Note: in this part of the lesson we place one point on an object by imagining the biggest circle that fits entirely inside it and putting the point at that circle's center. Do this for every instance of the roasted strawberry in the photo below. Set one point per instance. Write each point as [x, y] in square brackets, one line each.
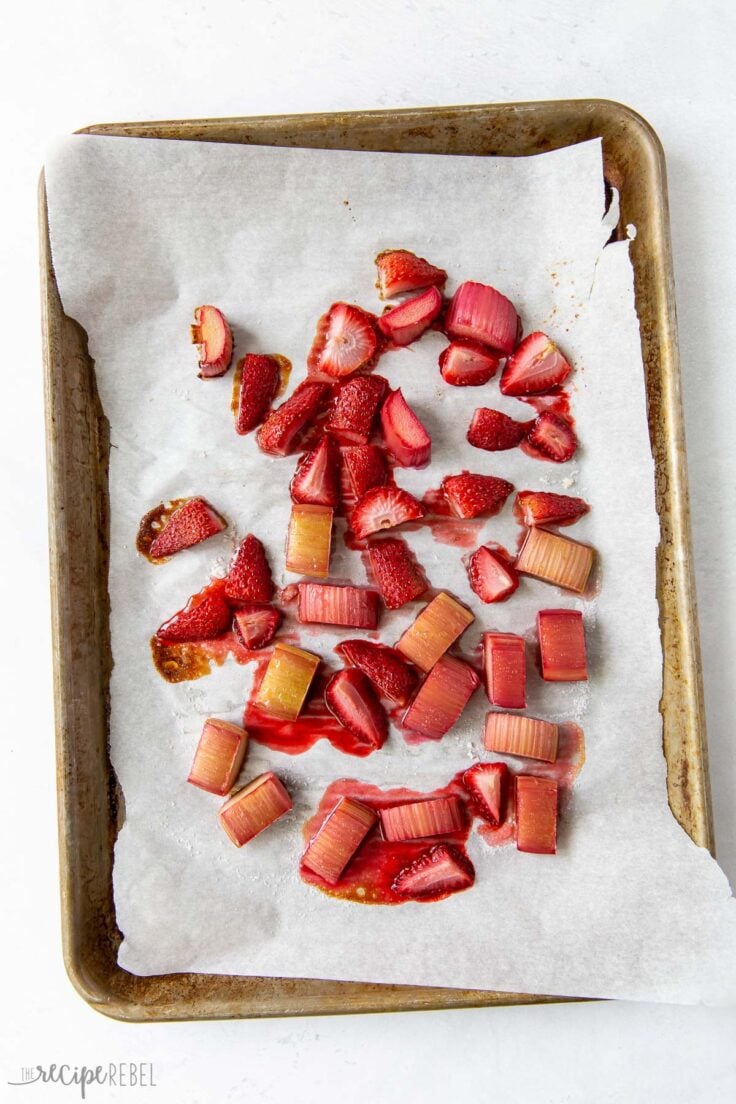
[487, 784]
[355, 408]
[400, 271]
[259, 382]
[215, 340]
[395, 572]
[407, 322]
[317, 477]
[350, 698]
[438, 871]
[255, 626]
[493, 431]
[492, 578]
[366, 467]
[205, 616]
[466, 364]
[383, 508]
[346, 340]
[249, 577]
[545, 508]
[282, 427]
[534, 366]
[194, 521]
[553, 436]
[404, 435]
[470, 495]
[388, 672]
[482, 314]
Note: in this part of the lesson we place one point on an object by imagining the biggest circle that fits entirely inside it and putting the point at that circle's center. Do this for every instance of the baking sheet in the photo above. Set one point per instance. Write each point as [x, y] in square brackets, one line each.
[140, 233]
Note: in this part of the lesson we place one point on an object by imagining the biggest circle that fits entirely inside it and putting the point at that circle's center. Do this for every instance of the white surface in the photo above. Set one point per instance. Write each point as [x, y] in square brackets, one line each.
[62, 66]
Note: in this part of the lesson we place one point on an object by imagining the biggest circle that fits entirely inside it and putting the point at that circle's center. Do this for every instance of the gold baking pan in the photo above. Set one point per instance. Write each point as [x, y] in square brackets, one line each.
[90, 806]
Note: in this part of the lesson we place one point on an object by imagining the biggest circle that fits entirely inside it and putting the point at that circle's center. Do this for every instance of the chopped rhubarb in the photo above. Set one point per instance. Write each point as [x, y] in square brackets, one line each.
[350, 606]
[283, 426]
[249, 576]
[392, 677]
[213, 336]
[405, 437]
[438, 871]
[255, 626]
[491, 576]
[219, 756]
[317, 477]
[407, 322]
[254, 808]
[435, 816]
[535, 366]
[556, 559]
[469, 494]
[536, 814]
[205, 616]
[395, 572]
[383, 508]
[504, 662]
[465, 364]
[194, 521]
[356, 405]
[350, 698]
[286, 682]
[434, 630]
[487, 784]
[493, 431]
[366, 467]
[482, 314]
[400, 271]
[260, 377]
[562, 645]
[345, 341]
[514, 734]
[309, 540]
[340, 836]
[553, 436]
[441, 698]
[546, 508]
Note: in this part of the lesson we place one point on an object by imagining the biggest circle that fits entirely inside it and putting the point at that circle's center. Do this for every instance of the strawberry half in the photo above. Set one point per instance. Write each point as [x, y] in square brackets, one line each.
[193, 522]
[405, 437]
[545, 508]
[466, 364]
[214, 339]
[204, 617]
[350, 698]
[283, 425]
[255, 626]
[366, 467]
[399, 270]
[316, 480]
[259, 382]
[249, 577]
[438, 871]
[491, 577]
[487, 784]
[345, 341]
[553, 436]
[481, 313]
[407, 322]
[534, 366]
[388, 672]
[470, 495]
[355, 408]
[383, 508]
[493, 431]
[396, 572]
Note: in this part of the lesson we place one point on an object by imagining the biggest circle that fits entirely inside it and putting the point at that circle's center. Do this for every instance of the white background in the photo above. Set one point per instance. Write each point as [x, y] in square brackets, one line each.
[64, 65]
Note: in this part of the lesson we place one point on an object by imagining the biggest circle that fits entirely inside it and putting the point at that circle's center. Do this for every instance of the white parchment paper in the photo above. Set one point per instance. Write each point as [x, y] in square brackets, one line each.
[142, 232]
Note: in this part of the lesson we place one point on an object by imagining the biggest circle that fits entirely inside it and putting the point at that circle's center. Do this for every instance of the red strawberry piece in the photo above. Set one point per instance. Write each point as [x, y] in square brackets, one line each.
[317, 477]
[493, 431]
[283, 425]
[259, 382]
[255, 626]
[214, 338]
[482, 314]
[366, 467]
[553, 436]
[487, 784]
[355, 409]
[406, 438]
[407, 322]
[383, 508]
[205, 616]
[491, 577]
[545, 508]
[470, 495]
[191, 523]
[466, 364]
[439, 870]
[346, 340]
[400, 271]
[249, 577]
[534, 366]
[350, 698]
[396, 573]
[388, 672]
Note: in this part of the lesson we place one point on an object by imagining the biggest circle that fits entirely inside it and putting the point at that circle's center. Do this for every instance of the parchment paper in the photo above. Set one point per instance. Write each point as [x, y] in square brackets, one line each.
[144, 231]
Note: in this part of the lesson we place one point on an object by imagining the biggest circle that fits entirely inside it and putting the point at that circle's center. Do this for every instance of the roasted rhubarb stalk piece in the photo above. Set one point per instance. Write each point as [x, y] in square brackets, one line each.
[395, 572]
[194, 521]
[491, 576]
[536, 814]
[438, 871]
[350, 698]
[553, 436]
[465, 364]
[286, 682]
[282, 428]
[383, 508]
[249, 576]
[562, 645]
[441, 698]
[255, 626]
[556, 559]
[435, 816]
[345, 341]
[480, 313]
[354, 411]
[435, 629]
[392, 677]
[470, 495]
[504, 662]
[546, 508]
[340, 836]
[350, 606]
[254, 808]
[214, 339]
[487, 785]
[514, 734]
[494, 431]
[260, 376]
[407, 322]
[535, 366]
[205, 616]
[309, 540]
[366, 467]
[404, 435]
[400, 271]
[219, 756]
[316, 480]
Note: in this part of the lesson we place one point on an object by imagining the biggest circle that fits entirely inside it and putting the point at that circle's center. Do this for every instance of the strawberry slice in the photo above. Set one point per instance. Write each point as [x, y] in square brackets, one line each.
[249, 577]
[393, 678]
[406, 438]
[350, 698]
[205, 616]
[282, 427]
[316, 480]
[346, 340]
[366, 467]
[553, 436]
[191, 523]
[214, 339]
[481, 313]
[546, 508]
[492, 578]
[470, 495]
[355, 408]
[383, 508]
[534, 366]
[493, 431]
[407, 322]
[399, 270]
[465, 364]
[255, 626]
[396, 573]
[259, 381]
[437, 872]
[487, 784]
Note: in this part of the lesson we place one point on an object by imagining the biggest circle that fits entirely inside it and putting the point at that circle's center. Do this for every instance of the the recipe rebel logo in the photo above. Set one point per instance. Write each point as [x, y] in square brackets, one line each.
[121, 1075]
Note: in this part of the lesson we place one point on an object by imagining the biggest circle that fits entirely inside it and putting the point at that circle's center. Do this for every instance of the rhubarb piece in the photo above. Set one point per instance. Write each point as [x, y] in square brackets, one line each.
[536, 814]
[388, 672]
[434, 816]
[350, 698]
[309, 540]
[469, 495]
[355, 409]
[214, 339]
[553, 436]
[366, 467]
[205, 616]
[345, 341]
[504, 663]
[407, 322]
[283, 426]
[465, 364]
[317, 477]
[350, 606]
[441, 698]
[491, 577]
[194, 521]
[487, 784]
[338, 839]
[260, 376]
[286, 682]
[482, 314]
[535, 366]
[438, 871]
[406, 438]
[255, 626]
[383, 508]
[434, 630]
[219, 756]
[400, 271]
[545, 508]
[556, 559]
[514, 734]
[254, 808]
[249, 576]
[395, 572]
[493, 431]
[562, 645]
